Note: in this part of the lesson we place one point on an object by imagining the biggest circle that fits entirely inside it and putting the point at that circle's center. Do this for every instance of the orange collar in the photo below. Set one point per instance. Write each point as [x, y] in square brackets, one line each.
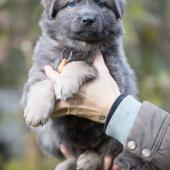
[64, 59]
[61, 65]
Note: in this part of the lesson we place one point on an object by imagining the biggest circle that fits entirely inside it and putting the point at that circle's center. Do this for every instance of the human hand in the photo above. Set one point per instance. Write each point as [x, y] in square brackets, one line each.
[94, 99]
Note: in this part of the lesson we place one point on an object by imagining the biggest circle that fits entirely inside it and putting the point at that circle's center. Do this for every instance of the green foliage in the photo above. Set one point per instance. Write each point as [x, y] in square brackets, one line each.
[20, 164]
[146, 43]
[1, 163]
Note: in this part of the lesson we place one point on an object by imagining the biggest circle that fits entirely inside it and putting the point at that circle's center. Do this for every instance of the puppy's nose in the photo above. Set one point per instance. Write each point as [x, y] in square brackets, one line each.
[88, 20]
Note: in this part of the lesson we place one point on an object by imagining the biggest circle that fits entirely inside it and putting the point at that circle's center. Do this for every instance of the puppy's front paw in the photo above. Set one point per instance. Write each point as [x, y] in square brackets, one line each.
[40, 104]
[89, 161]
[36, 114]
[65, 88]
[68, 164]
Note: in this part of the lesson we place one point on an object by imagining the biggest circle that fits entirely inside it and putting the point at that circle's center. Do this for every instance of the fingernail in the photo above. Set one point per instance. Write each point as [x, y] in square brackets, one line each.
[46, 67]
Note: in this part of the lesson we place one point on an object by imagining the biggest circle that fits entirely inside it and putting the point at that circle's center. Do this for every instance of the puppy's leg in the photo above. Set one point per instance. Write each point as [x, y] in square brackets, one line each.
[72, 77]
[40, 103]
[89, 161]
[68, 164]
[120, 70]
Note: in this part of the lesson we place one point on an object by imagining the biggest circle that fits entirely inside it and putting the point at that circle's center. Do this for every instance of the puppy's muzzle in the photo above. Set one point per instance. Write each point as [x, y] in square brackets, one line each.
[87, 20]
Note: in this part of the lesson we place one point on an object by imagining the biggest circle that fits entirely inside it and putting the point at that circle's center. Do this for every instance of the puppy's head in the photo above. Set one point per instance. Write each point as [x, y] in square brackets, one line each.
[89, 21]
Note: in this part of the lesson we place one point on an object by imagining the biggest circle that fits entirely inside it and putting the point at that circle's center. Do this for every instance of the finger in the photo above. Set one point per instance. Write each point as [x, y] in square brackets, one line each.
[107, 162]
[51, 73]
[99, 62]
[65, 151]
[116, 167]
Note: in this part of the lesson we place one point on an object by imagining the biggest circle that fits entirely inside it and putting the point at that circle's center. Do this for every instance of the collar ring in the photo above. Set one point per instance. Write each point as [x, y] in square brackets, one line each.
[64, 57]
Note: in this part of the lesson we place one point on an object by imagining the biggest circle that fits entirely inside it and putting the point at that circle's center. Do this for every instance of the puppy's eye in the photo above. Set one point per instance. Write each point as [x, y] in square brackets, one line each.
[72, 3]
[101, 4]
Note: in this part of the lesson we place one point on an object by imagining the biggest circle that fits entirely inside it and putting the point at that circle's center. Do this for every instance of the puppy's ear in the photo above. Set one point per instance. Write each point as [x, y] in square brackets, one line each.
[119, 6]
[50, 7]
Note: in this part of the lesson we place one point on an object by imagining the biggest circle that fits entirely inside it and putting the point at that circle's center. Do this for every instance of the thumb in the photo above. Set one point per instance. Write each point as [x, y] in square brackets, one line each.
[51, 73]
[99, 63]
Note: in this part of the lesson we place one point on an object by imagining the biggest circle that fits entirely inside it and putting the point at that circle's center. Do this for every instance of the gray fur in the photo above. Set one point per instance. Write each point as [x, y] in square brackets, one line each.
[84, 29]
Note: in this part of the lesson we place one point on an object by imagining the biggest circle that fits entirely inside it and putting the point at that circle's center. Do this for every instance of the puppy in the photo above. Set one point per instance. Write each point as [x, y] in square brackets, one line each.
[75, 30]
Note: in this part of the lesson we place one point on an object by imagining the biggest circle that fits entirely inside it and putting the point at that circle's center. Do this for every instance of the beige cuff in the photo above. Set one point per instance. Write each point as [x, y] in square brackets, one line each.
[79, 107]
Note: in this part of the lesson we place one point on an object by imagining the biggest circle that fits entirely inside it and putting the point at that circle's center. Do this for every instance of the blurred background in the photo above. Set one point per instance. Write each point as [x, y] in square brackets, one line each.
[147, 45]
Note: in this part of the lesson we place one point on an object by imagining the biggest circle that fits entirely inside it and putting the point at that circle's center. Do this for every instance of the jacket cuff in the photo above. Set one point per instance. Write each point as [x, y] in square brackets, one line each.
[113, 108]
[148, 132]
[122, 117]
[127, 161]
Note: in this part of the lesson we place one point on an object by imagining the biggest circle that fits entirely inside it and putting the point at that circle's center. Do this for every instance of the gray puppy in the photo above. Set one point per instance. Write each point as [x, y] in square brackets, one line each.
[76, 29]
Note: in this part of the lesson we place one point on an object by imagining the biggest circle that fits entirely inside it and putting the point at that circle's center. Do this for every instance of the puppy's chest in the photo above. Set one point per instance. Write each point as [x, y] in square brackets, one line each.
[67, 55]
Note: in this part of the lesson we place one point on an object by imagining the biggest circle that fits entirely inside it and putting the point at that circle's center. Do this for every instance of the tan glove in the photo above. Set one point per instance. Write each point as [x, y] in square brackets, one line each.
[94, 99]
